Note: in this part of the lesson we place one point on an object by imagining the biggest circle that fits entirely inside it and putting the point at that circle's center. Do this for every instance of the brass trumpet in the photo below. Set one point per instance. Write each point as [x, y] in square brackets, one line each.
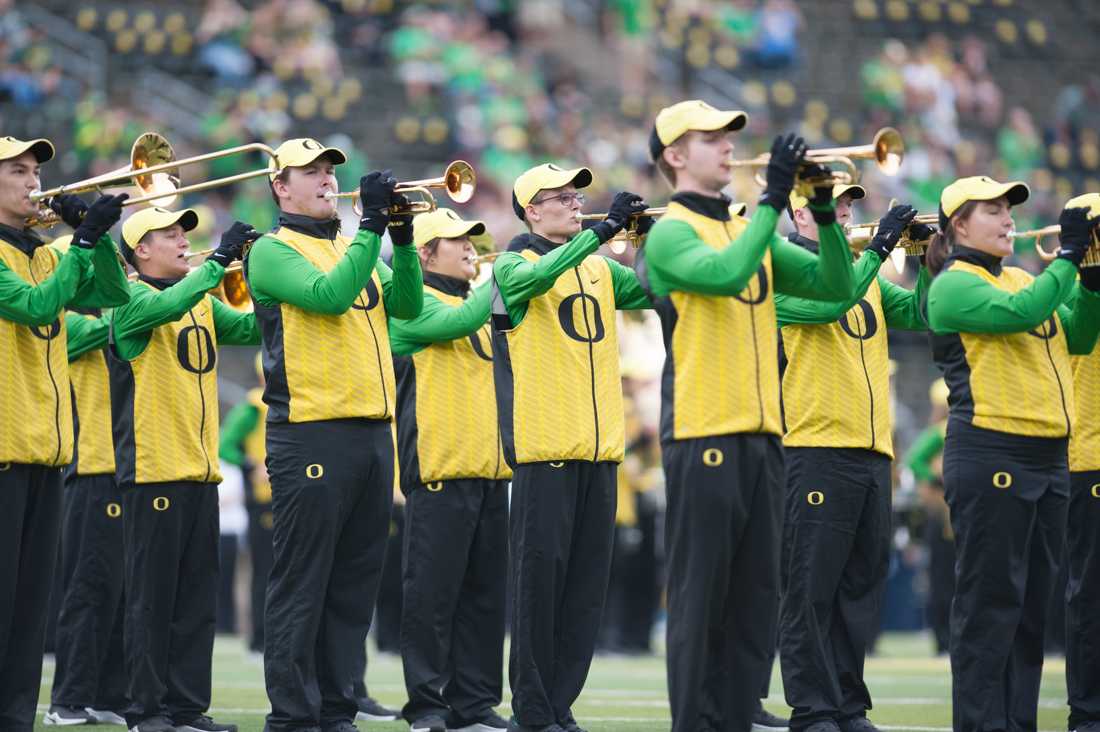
[154, 171]
[232, 290]
[629, 233]
[1092, 254]
[887, 149]
[459, 181]
[860, 235]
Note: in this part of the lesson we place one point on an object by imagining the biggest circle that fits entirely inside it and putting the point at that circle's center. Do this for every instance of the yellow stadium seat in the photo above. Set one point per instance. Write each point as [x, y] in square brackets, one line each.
[126, 40]
[145, 21]
[305, 106]
[86, 19]
[116, 20]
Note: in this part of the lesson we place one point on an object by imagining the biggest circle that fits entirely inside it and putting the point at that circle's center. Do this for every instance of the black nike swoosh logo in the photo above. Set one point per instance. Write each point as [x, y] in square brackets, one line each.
[594, 281]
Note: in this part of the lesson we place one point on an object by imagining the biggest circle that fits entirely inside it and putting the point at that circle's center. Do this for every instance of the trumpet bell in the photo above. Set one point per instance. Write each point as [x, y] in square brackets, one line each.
[889, 150]
[233, 290]
[460, 181]
[152, 150]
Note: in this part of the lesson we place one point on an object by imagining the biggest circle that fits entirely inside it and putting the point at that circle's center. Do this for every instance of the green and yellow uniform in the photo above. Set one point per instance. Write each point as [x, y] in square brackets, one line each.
[91, 385]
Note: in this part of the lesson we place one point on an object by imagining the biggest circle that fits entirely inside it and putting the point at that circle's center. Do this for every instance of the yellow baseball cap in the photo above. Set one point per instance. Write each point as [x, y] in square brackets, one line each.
[443, 223]
[1091, 201]
[694, 114]
[542, 177]
[855, 191]
[979, 188]
[153, 218]
[303, 151]
[11, 147]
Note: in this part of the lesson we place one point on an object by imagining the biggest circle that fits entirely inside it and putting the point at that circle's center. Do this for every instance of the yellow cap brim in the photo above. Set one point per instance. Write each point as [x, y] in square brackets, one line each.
[299, 156]
[152, 219]
[446, 229]
[41, 148]
[546, 178]
[853, 190]
[1016, 192]
[1091, 201]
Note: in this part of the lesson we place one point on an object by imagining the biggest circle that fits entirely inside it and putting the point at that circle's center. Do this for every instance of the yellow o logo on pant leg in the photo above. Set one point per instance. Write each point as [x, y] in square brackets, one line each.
[1095, 491]
[114, 510]
[713, 457]
[435, 487]
[160, 503]
[5, 466]
[557, 464]
[815, 498]
[315, 471]
[1001, 479]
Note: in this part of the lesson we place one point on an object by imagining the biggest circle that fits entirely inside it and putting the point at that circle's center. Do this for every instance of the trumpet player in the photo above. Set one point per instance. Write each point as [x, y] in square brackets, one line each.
[838, 445]
[455, 482]
[1003, 339]
[164, 402]
[559, 397]
[36, 284]
[713, 276]
[322, 300]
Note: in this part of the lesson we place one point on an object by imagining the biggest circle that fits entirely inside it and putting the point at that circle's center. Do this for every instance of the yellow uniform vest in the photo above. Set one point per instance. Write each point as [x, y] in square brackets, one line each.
[36, 418]
[447, 426]
[95, 452]
[1015, 382]
[722, 365]
[165, 403]
[1084, 445]
[836, 386]
[255, 446]
[558, 383]
[328, 366]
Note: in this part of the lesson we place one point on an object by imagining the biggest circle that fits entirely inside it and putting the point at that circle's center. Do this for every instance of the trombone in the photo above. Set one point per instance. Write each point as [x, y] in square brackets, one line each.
[629, 233]
[887, 150]
[459, 181]
[154, 171]
[1092, 254]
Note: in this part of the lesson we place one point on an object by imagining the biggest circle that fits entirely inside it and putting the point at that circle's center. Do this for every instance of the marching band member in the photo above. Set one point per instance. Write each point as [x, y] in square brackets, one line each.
[1002, 339]
[36, 283]
[322, 300]
[713, 275]
[838, 446]
[162, 362]
[455, 481]
[559, 397]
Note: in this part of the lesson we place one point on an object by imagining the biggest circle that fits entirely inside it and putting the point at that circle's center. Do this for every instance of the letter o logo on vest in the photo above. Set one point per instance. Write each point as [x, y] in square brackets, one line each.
[475, 343]
[114, 510]
[815, 498]
[315, 471]
[567, 317]
[1047, 330]
[204, 348]
[761, 286]
[435, 487]
[1095, 490]
[48, 333]
[1001, 479]
[713, 457]
[161, 503]
[372, 298]
[868, 318]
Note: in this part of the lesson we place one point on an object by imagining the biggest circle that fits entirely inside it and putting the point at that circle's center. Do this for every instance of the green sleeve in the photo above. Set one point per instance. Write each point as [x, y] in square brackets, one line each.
[520, 280]
[1080, 317]
[904, 308]
[85, 333]
[149, 308]
[234, 328]
[104, 285]
[277, 273]
[962, 302]
[677, 259]
[403, 286]
[826, 276]
[629, 294]
[793, 310]
[439, 322]
[923, 451]
[240, 421]
[28, 304]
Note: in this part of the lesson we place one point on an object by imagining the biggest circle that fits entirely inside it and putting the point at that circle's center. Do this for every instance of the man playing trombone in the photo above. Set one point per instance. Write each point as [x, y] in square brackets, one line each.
[322, 300]
[36, 440]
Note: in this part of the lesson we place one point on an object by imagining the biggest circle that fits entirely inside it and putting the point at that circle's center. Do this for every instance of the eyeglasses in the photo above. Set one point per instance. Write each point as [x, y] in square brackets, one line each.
[565, 199]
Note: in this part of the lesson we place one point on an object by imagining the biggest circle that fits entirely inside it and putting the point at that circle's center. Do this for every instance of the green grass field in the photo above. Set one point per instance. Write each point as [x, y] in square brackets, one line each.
[911, 689]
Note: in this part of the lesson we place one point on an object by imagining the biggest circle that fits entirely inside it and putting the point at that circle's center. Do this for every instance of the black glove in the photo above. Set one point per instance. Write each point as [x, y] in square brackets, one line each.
[401, 223]
[921, 232]
[822, 207]
[231, 247]
[645, 223]
[787, 154]
[1077, 233]
[70, 208]
[98, 220]
[623, 206]
[375, 196]
[1090, 278]
[890, 228]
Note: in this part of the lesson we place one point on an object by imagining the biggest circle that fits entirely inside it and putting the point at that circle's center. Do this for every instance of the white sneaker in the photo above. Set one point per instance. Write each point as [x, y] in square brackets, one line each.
[105, 716]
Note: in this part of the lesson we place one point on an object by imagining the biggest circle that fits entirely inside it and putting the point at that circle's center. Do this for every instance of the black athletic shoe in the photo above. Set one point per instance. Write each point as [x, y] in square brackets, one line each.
[765, 721]
[203, 723]
[514, 726]
[858, 723]
[1093, 725]
[62, 716]
[570, 725]
[342, 726]
[154, 724]
[492, 722]
[371, 711]
[430, 723]
[825, 725]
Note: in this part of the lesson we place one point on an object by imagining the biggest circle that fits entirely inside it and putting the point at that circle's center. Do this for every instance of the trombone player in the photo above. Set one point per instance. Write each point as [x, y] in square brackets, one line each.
[164, 405]
[322, 300]
[36, 284]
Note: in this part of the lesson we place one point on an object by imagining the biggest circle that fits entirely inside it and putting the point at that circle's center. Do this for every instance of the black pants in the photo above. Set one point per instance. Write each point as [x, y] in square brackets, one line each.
[725, 497]
[560, 535]
[387, 622]
[331, 489]
[90, 671]
[836, 552]
[1007, 496]
[171, 570]
[30, 510]
[261, 553]
[1083, 599]
[634, 593]
[452, 629]
[227, 575]
[941, 578]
